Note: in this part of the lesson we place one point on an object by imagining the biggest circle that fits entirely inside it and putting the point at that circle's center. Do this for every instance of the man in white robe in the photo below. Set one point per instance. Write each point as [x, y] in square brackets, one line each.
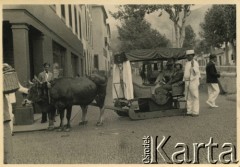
[191, 79]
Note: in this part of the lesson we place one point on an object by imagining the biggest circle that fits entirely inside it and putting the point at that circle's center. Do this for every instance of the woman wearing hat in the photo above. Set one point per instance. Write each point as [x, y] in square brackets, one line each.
[212, 81]
[166, 76]
[176, 77]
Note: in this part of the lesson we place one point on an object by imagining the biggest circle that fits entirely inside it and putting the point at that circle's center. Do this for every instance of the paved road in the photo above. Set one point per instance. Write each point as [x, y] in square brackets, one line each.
[119, 140]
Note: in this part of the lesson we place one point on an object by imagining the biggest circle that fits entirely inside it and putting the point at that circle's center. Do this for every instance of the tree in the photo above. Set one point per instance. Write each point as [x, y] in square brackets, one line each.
[177, 13]
[230, 18]
[201, 46]
[190, 36]
[136, 33]
[219, 27]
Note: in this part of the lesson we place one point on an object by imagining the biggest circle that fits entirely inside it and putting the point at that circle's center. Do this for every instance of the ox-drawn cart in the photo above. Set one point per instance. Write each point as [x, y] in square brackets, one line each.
[143, 105]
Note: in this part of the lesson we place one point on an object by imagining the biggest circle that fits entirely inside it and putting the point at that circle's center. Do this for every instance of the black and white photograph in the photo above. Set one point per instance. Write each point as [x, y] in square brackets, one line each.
[119, 83]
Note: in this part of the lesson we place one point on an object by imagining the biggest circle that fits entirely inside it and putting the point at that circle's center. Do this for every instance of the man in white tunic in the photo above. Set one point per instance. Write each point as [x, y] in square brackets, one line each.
[191, 79]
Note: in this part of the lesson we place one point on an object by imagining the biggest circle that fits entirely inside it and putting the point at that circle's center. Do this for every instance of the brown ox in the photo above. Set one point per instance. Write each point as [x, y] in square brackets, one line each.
[66, 92]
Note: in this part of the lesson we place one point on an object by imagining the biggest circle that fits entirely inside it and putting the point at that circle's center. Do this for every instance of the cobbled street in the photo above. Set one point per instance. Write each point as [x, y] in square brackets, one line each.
[119, 140]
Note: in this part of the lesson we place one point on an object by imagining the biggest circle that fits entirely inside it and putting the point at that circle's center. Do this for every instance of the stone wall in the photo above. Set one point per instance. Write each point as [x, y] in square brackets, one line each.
[228, 82]
[228, 69]
[228, 79]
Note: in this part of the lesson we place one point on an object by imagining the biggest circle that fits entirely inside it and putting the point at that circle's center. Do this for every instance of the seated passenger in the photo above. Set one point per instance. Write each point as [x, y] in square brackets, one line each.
[177, 77]
[161, 93]
[164, 77]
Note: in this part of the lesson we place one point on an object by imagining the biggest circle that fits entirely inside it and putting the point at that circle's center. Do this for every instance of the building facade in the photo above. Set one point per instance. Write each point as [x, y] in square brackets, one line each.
[222, 57]
[75, 36]
[101, 39]
[87, 36]
[35, 34]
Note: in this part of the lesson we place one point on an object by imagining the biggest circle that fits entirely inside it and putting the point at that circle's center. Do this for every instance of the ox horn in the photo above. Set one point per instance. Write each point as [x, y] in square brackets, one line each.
[30, 82]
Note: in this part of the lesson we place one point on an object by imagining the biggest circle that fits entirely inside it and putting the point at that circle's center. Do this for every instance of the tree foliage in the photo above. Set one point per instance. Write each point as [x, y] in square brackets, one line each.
[201, 46]
[219, 26]
[136, 33]
[129, 11]
[177, 13]
[190, 36]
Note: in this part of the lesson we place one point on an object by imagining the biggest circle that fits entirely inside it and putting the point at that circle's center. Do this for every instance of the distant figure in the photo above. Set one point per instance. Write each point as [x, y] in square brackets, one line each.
[142, 73]
[149, 72]
[45, 76]
[56, 71]
[212, 81]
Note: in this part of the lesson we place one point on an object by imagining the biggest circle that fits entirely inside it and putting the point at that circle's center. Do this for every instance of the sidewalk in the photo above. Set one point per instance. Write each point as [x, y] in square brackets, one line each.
[232, 97]
[38, 126]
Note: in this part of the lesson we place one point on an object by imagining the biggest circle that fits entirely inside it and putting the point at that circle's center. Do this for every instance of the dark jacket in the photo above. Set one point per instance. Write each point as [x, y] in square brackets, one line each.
[211, 72]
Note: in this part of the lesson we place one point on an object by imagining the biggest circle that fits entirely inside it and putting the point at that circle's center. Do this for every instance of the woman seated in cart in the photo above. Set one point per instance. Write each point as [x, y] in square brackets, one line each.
[170, 77]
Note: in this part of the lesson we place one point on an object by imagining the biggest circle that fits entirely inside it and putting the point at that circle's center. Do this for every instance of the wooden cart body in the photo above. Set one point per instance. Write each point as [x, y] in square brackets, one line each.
[143, 105]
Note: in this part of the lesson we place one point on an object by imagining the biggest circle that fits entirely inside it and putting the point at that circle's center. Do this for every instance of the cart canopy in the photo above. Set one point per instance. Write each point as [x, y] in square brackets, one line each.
[155, 54]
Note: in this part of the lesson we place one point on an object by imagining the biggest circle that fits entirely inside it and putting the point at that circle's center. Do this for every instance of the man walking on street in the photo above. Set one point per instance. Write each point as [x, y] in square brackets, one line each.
[191, 79]
[212, 81]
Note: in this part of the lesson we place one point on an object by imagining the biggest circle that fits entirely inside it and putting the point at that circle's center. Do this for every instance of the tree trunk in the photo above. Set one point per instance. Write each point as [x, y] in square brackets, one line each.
[233, 52]
[182, 33]
[176, 35]
[226, 53]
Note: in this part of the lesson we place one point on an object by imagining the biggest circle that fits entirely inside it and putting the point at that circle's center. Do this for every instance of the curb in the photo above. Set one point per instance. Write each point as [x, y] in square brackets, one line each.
[41, 128]
[33, 130]
[232, 97]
